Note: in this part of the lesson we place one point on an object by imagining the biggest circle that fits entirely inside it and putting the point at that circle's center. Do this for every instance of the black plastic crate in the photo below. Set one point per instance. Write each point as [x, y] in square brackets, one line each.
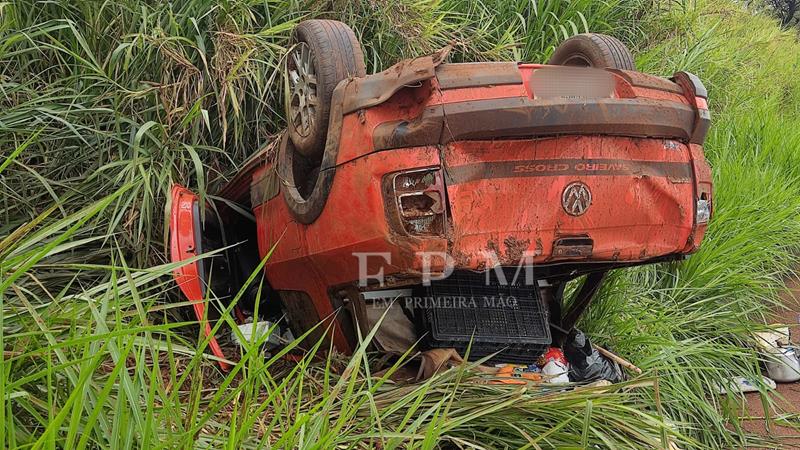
[493, 316]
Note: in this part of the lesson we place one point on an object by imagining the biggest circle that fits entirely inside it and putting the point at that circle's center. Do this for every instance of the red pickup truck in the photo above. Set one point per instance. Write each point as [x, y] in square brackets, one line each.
[454, 200]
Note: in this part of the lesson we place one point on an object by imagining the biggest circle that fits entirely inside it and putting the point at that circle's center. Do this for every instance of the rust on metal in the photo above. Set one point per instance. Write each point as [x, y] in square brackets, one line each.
[426, 129]
[375, 89]
[516, 248]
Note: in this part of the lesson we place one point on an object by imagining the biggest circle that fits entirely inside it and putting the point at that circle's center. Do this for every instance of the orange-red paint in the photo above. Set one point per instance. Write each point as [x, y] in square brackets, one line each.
[503, 196]
[182, 248]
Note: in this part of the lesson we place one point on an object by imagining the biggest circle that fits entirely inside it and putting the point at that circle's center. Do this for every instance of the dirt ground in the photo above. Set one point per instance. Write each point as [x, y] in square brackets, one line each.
[787, 400]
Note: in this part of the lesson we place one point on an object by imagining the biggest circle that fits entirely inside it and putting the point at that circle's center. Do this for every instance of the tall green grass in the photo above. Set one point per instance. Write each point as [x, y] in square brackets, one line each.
[692, 321]
[104, 104]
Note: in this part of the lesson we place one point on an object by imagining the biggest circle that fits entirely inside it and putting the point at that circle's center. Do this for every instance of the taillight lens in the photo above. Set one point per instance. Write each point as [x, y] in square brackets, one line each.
[703, 211]
[418, 199]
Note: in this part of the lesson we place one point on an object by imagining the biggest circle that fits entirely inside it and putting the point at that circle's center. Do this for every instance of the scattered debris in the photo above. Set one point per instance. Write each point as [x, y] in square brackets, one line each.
[742, 384]
[580, 361]
[252, 332]
[783, 365]
[776, 336]
[517, 374]
[436, 360]
[591, 363]
[781, 361]
[555, 366]
[781, 357]
[618, 359]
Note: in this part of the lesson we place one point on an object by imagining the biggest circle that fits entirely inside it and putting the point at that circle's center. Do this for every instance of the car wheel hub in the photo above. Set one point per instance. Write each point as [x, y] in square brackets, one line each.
[303, 83]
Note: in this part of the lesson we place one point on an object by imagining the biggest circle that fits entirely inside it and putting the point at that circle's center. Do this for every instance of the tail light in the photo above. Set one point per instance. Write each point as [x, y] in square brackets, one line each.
[704, 200]
[695, 92]
[703, 212]
[416, 202]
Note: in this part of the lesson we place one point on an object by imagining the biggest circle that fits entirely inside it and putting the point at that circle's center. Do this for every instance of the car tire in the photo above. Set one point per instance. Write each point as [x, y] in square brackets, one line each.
[593, 50]
[323, 53]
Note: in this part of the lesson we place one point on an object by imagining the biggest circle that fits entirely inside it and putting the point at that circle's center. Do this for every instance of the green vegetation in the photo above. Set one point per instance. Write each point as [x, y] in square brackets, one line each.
[105, 104]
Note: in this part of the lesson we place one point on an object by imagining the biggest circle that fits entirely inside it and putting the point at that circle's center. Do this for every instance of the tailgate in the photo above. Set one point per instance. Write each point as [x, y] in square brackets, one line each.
[569, 198]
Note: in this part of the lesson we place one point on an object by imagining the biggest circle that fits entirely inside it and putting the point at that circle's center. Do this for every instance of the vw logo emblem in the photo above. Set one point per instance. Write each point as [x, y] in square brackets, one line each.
[576, 198]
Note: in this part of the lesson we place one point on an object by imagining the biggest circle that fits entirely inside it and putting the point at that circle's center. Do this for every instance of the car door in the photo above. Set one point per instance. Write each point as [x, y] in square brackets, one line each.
[186, 243]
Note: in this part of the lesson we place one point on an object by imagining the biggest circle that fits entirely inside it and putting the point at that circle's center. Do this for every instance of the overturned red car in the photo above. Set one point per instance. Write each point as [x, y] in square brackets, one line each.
[453, 200]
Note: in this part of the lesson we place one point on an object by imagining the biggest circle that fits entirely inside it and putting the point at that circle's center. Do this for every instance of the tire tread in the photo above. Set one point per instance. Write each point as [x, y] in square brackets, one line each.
[601, 49]
[337, 56]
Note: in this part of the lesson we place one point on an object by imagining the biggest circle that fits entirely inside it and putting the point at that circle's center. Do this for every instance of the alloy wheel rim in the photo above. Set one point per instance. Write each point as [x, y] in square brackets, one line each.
[303, 83]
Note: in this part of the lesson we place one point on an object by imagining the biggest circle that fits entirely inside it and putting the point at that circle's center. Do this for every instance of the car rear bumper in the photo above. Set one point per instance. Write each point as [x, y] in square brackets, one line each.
[418, 103]
[518, 117]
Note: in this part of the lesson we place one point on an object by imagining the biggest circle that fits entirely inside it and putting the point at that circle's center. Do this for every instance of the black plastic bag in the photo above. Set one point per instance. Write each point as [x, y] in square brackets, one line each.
[586, 364]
